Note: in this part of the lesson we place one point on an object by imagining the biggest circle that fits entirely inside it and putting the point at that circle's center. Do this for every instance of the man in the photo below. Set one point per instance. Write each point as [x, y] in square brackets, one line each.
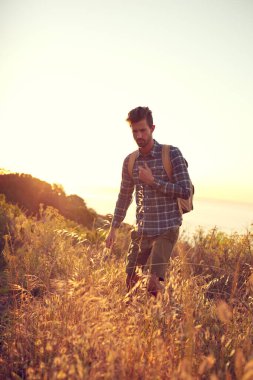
[158, 217]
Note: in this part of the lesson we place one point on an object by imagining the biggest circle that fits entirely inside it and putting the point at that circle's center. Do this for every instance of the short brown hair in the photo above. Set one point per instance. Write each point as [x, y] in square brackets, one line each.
[140, 113]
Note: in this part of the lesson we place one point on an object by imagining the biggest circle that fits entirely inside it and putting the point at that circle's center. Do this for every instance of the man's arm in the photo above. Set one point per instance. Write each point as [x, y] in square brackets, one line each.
[181, 185]
[122, 204]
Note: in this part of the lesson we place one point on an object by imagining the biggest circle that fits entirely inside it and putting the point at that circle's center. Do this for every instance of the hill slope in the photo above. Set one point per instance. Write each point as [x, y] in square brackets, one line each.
[30, 193]
[68, 315]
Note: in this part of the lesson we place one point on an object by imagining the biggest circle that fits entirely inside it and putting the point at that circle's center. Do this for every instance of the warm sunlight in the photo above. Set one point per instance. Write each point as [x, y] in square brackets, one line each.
[69, 81]
[93, 286]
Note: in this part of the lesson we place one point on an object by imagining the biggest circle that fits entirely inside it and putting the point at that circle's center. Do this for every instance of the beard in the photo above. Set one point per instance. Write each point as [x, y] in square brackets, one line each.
[142, 143]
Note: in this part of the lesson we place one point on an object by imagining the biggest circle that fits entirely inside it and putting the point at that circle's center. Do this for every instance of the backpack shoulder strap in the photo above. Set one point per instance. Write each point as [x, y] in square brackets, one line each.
[166, 160]
[131, 162]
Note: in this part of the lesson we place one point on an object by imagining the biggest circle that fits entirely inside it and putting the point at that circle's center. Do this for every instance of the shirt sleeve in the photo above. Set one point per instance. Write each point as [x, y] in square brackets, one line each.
[180, 186]
[124, 197]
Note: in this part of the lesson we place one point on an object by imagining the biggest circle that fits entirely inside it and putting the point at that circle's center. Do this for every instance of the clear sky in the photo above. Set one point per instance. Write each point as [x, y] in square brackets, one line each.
[71, 70]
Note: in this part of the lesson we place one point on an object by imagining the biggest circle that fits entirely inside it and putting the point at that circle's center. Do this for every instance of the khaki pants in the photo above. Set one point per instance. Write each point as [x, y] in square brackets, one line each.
[156, 250]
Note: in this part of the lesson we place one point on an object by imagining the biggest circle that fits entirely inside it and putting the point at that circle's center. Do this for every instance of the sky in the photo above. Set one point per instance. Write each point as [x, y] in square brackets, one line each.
[70, 71]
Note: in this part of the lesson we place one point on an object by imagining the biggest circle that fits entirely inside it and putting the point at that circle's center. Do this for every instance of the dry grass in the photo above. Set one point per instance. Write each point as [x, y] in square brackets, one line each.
[69, 317]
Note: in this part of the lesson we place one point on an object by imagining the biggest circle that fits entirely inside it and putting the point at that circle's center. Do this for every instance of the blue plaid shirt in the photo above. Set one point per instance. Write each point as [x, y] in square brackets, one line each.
[157, 208]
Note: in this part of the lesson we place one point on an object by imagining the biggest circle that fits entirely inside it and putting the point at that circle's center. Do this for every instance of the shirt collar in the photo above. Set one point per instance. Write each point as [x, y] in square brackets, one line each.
[155, 151]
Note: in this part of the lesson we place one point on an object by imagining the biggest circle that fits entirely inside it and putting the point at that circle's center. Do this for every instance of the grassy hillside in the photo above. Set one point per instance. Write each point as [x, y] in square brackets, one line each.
[66, 315]
[31, 194]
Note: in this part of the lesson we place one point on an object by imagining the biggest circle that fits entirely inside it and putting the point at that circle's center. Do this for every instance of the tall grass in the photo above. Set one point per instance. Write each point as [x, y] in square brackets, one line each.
[69, 316]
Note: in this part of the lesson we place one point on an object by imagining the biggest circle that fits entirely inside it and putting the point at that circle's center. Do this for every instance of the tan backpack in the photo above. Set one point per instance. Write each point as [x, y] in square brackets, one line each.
[185, 205]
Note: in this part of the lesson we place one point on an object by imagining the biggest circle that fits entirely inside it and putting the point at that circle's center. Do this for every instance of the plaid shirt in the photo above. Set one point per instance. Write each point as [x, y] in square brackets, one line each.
[157, 208]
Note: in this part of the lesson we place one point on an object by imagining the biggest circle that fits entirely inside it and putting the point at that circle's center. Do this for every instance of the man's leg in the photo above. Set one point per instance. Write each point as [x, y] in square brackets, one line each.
[160, 256]
[138, 253]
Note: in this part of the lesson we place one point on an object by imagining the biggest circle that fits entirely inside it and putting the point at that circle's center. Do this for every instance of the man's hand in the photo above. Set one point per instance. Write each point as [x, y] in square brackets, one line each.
[110, 238]
[145, 174]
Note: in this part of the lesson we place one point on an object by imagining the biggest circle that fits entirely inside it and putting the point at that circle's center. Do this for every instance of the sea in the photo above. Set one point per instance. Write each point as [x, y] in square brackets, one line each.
[227, 216]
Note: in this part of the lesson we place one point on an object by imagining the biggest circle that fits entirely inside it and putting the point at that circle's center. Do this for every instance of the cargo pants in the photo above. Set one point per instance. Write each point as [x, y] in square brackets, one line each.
[155, 250]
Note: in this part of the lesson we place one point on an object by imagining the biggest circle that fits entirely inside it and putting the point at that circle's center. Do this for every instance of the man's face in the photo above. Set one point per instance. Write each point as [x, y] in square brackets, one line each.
[142, 133]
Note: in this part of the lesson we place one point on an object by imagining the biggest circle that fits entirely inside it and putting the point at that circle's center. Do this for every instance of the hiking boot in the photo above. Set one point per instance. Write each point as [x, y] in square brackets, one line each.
[131, 280]
[154, 285]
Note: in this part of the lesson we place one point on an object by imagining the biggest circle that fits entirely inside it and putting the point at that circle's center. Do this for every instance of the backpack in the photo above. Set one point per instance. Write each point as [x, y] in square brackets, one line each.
[184, 205]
